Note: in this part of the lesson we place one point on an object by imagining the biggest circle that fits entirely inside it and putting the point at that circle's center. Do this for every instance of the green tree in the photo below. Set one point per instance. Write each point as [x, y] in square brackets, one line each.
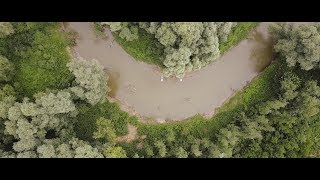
[46, 151]
[289, 85]
[115, 152]
[91, 80]
[195, 149]
[170, 136]
[27, 154]
[105, 130]
[181, 153]
[126, 30]
[5, 104]
[5, 29]
[161, 147]
[64, 151]
[148, 150]
[6, 69]
[298, 44]
[84, 150]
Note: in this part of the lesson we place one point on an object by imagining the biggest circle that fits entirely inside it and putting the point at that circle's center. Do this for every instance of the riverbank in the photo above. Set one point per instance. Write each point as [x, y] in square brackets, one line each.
[262, 88]
[139, 84]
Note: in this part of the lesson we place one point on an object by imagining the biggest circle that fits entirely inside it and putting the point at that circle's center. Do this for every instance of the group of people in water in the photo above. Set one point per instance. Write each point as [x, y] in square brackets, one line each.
[161, 79]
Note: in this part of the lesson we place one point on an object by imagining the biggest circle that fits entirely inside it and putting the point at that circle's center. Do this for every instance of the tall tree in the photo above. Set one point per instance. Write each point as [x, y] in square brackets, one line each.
[298, 44]
[6, 29]
[91, 80]
[6, 69]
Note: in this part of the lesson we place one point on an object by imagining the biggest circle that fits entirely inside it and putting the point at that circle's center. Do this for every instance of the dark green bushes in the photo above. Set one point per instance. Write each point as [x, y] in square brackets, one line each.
[88, 115]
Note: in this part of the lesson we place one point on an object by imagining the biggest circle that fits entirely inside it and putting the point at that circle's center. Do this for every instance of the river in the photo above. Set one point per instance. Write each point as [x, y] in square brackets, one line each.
[137, 85]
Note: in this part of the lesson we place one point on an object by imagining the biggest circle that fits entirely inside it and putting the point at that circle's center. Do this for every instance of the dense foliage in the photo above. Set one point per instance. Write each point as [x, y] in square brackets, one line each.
[277, 115]
[187, 46]
[6, 71]
[39, 52]
[43, 125]
[91, 80]
[282, 124]
[5, 29]
[86, 120]
[298, 45]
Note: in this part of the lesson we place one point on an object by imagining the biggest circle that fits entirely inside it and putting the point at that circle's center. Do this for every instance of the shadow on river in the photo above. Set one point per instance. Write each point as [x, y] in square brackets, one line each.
[112, 82]
[261, 54]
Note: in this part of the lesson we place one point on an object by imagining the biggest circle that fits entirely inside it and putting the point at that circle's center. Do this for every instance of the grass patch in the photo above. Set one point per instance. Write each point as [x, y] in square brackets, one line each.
[71, 37]
[43, 65]
[39, 53]
[147, 48]
[239, 33]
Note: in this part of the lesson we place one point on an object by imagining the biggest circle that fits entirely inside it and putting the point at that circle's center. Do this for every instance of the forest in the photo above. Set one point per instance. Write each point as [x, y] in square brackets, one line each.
[54, 105]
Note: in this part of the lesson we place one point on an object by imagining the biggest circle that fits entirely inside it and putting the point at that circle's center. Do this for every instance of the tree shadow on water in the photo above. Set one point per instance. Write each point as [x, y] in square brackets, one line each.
[112, 82]
[261, 53]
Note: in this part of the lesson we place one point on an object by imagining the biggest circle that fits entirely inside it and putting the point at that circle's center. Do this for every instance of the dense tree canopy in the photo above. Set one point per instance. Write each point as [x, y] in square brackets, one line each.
[5, 29]
[298, 45]
[43, 126]
[91, 80]
[6, 70]
[188, 46]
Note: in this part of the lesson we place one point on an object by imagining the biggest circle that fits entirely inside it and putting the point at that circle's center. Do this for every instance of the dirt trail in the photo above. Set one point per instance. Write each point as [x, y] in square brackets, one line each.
[131, 136]
[138, 86]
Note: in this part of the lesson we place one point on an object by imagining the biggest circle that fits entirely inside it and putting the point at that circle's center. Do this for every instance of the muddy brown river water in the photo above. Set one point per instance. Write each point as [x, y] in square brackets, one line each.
[137, 85]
